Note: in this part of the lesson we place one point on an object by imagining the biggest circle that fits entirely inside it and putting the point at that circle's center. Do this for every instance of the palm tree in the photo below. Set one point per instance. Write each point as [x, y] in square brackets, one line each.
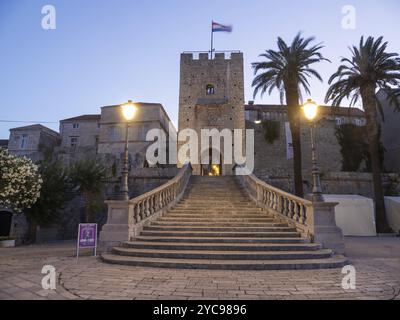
[288, 70]
[89, 178]
[370, 68]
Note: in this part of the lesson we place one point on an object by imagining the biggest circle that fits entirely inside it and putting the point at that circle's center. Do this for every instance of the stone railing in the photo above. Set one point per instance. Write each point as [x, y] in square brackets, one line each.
[314, 220]
[126, 218]
[160, 198]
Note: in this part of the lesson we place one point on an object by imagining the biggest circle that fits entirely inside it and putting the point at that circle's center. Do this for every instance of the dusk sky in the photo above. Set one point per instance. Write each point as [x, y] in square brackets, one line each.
[105, 52]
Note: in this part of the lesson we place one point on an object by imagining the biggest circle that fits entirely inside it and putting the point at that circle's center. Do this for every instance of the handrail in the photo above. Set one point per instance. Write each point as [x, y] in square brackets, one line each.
[293, 208]
[161, 197]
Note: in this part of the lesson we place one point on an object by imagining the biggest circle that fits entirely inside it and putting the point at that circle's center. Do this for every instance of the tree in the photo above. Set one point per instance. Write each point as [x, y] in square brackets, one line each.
[89, 177]
[20, 182]
[55, 193]
[370, 68]
[288, 70]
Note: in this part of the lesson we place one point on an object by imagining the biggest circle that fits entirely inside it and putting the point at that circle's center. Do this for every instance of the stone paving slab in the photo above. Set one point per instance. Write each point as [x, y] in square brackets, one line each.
[377, 263]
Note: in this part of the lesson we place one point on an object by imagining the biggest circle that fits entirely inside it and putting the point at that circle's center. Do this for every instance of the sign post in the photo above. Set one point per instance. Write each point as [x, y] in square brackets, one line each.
[87, 237]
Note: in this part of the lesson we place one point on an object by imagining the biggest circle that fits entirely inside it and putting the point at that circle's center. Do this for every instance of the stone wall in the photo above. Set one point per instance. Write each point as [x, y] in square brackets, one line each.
[86, 133]
[274, 156]
[356, 183]
[390, 134]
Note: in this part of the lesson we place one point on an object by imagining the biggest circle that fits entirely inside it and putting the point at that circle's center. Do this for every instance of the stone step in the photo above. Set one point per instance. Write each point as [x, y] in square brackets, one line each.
[216, 226]
[219, 234]
[224, 209]
[210, 202]
[219, 240]
[223, 247]
[183, 218]
[216, 209]
[162, 223]
[219, 229]
[337, 261]
[223, 255]
[225, 215]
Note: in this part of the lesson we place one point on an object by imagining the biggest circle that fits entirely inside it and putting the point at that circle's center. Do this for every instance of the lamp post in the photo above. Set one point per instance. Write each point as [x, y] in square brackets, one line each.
[310, 109]
[128, 111]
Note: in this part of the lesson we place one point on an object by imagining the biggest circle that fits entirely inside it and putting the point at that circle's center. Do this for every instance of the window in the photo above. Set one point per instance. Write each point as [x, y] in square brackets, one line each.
[96, 142]
[358, 122]
[339, 121]
[24, 141]
[142, 133]
[113, 133]
[74, 142]
[75, 125]
[210, 89]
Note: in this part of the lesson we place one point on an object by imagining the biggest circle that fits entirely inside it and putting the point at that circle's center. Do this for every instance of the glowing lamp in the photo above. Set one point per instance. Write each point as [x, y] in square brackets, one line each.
[310, 109]
[128, 110]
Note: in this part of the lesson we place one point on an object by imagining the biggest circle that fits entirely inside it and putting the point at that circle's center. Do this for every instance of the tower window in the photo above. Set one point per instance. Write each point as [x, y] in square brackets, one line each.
[210, 89]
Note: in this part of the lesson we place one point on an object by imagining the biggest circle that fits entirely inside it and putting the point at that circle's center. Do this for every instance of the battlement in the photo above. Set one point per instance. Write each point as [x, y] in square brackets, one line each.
[189, 56]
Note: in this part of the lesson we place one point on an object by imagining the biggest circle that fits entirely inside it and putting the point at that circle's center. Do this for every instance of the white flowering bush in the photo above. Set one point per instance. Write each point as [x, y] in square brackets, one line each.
[20, 182]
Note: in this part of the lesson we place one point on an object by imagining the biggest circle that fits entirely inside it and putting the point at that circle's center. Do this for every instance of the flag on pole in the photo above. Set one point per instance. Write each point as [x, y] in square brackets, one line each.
[217, 27]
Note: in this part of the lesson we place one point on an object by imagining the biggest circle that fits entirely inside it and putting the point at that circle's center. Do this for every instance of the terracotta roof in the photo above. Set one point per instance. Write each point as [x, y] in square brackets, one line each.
[341, 111]
[85, 117]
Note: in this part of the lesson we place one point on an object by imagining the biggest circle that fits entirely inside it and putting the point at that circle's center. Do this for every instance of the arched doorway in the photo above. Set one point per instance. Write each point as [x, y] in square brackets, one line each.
[5, 223]
[212, 168]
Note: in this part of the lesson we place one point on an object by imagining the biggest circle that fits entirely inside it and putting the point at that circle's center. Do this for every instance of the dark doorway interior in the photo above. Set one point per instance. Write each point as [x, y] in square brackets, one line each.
[5, 223]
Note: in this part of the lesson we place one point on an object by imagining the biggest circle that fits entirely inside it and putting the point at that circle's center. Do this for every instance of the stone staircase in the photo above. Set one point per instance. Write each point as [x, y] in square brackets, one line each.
[217, 226]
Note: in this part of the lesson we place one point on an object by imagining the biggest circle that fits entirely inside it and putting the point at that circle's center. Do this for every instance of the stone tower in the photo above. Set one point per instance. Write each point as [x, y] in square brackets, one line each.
[211, 96]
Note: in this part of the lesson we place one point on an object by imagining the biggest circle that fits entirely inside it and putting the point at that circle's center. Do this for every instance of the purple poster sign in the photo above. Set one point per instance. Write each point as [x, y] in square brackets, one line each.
[87, 235]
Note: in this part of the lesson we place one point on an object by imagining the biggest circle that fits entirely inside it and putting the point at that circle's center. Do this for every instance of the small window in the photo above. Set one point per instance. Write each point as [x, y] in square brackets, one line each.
[74, 142]
[339, 121]
[210, 89]
[75, 125]
[142, 133]
[96, 142]
[24, 141]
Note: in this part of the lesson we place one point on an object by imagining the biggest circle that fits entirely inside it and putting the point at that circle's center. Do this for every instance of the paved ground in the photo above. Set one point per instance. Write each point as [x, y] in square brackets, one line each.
[377, 263]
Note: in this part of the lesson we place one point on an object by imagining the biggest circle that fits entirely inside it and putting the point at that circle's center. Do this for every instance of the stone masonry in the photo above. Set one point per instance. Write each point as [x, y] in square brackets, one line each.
[211, 95]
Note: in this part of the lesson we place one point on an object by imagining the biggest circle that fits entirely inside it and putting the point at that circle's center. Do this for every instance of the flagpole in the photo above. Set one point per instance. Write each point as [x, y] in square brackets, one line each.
[212, 36]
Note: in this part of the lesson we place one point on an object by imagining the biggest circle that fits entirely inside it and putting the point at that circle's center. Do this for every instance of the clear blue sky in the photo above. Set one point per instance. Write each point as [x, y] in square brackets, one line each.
[107, 51]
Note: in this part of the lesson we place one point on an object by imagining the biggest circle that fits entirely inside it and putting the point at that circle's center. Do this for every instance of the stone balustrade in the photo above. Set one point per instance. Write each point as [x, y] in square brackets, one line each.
[126, 218]
[314, 220]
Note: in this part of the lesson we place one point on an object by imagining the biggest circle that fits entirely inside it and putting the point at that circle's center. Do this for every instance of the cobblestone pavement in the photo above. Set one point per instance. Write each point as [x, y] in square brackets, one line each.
[377, 263]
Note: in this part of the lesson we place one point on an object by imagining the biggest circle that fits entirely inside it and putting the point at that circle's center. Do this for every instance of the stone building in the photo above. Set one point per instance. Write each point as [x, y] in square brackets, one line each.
[211, 96]
[277, 157]
[32, 141]
[112, 130]
[3, 143]
[390, 126]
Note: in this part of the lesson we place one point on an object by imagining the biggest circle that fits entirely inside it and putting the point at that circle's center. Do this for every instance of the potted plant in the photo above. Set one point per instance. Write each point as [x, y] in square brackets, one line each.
[7, 242]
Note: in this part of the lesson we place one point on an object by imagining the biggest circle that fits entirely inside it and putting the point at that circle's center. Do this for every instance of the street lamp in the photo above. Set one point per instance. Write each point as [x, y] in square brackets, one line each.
[310, 109]
[128, 111]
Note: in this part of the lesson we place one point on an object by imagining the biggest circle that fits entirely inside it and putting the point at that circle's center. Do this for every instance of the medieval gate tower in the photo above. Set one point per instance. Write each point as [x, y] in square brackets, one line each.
[211, 96]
